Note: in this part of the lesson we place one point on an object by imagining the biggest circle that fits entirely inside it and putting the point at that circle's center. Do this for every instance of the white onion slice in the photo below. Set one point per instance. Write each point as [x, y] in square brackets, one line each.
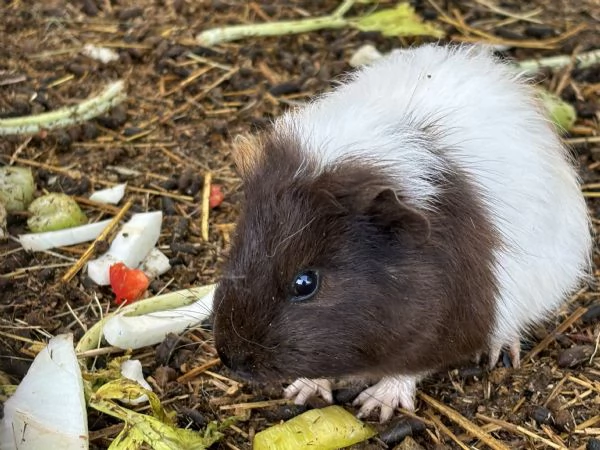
[137, 331]
[59, 238]
[48, 408]
[132, 244]
[111, 195]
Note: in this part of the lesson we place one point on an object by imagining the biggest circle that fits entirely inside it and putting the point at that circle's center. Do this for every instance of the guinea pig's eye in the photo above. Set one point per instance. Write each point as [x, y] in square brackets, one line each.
[305, 285]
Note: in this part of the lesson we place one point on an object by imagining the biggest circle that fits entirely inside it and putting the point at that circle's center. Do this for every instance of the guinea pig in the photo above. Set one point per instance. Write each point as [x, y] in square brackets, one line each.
[421, 213]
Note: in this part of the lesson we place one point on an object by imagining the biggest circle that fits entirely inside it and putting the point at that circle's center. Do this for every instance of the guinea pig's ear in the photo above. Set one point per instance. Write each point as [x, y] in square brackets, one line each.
[390, 212]
[246, 152]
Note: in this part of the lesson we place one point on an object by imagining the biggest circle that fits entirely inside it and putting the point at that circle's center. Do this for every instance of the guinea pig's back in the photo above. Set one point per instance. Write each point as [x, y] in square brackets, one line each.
[429, 110]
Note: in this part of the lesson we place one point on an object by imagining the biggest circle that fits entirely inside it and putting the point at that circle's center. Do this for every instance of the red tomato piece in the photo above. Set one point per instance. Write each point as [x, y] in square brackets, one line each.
[127, 284]
[216, 196]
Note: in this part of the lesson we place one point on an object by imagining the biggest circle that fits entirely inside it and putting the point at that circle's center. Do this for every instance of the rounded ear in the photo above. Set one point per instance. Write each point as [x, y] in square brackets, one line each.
[246, 152]
[391, 213]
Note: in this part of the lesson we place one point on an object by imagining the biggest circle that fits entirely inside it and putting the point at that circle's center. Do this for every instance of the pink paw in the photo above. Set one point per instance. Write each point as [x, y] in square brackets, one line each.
[303, 389]
[386, 395]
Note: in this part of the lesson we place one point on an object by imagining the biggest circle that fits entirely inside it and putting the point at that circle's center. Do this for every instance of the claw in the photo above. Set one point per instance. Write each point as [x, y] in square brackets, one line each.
[303, 389]
[514, 350]
[387, 395]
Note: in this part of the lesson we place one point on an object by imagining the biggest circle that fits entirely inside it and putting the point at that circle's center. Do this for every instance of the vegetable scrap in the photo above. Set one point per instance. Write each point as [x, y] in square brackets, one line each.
[16, 188]
[216, 196]
[128, 284]
[328, 428]
[53, 212]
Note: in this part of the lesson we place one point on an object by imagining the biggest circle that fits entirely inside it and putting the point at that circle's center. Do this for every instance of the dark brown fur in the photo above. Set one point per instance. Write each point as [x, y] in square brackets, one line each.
[403, 291]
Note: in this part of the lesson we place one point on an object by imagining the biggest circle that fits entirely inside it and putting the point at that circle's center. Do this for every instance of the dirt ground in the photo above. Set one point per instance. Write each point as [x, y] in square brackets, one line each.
[175, 127]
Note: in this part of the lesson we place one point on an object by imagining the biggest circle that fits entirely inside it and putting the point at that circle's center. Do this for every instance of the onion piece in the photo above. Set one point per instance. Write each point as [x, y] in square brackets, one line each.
[132, 370]
[111, 195]
[128, 330]
[131, 245]
[155, 264]
[68, 236]
[48, 408]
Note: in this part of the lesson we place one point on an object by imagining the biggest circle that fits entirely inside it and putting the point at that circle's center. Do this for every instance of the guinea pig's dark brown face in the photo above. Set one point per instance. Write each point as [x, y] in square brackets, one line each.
[309, 261]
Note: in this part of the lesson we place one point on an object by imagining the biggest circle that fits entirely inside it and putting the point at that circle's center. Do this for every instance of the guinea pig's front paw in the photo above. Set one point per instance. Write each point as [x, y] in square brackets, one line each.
[303, 389]
[514, 352]
[387, 395]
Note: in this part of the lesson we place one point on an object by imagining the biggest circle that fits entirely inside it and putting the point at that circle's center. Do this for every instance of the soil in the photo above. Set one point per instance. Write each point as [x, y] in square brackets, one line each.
[185, 103]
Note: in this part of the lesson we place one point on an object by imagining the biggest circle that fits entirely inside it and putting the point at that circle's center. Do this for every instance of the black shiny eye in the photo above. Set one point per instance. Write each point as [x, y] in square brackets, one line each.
[305, 285]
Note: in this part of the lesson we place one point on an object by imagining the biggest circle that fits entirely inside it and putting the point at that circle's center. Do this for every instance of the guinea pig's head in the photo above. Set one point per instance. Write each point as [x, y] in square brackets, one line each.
[306, 288]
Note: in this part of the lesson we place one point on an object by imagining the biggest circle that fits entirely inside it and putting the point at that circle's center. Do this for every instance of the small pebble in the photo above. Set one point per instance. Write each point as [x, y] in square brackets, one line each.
[540, 31]
[168, 206]
[170, 184]
[185, 179]
[283, 412]
[116, 118]
[77, 69]
[178, 247]
[508, 34]
[130, 13]
[592, 314]
[90, 131]
[593, 444]
[288, 87]
[400, 429]
[174, 51]
[176, 261]
[574, 356]
[541, 415]
[132, 131]
[347, 394]
[564, 421]
[90, 8]
[196, 416]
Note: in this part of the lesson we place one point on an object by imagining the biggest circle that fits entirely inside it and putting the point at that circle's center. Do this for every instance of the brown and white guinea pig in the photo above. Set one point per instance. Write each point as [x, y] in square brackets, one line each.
[423, 212]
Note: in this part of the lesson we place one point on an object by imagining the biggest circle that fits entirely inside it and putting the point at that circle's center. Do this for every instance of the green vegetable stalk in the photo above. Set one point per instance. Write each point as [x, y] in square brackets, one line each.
[400, 20]
[71, 115]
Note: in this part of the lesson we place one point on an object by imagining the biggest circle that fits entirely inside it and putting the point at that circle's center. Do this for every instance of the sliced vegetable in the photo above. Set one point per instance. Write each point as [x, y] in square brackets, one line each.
[132, 329]
[127, 284]
[562, 114]
[131, 245]
[47, 411]
[111, 195]
[55, 211]
[329, 428]
[60, 238]
[401, 20]
[112, 95]
[216, 196]
[155, 264]
[16, 187]
[157, 431]
[132, 370]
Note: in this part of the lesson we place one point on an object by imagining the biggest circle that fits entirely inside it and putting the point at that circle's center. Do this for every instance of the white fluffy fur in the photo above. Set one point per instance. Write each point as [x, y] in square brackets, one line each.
[484, 120]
